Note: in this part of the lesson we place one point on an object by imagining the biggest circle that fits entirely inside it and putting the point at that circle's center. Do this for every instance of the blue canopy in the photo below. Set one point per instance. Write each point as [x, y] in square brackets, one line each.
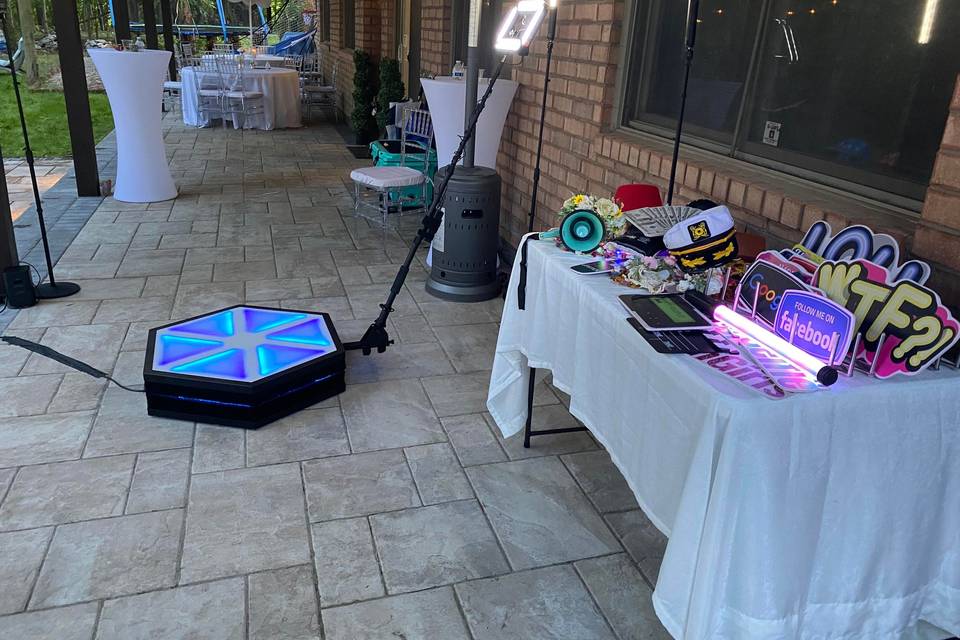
[295, 43]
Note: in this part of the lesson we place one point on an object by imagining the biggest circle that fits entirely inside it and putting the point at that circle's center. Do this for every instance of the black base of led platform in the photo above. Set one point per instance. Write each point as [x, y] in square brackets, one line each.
[215, 405]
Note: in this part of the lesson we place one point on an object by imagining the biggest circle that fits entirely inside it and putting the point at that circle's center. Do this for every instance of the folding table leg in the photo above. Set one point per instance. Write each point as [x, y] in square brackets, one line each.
[528, 431]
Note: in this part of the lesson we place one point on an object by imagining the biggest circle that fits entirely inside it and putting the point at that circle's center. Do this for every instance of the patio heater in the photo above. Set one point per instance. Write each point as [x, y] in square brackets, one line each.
[52, 289]
[464, 265]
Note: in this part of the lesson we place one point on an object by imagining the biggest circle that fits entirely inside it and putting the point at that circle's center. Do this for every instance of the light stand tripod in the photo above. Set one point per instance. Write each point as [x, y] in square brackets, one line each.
[551, 36]
[52, 289]
[693, 11]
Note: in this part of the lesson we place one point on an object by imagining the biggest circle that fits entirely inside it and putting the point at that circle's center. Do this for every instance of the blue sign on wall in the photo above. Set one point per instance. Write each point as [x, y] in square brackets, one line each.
[815, 324]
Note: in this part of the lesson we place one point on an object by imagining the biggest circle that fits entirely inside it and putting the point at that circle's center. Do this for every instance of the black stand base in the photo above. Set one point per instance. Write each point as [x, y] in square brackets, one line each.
[48, 291]
[528, 431]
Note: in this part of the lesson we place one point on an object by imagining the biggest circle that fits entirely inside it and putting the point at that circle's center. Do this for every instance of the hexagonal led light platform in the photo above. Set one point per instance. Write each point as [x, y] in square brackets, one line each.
[242, 366]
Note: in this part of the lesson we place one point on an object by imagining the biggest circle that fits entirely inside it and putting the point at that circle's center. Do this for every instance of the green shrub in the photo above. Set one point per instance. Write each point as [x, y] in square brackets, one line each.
[391, 89]
[364, 92]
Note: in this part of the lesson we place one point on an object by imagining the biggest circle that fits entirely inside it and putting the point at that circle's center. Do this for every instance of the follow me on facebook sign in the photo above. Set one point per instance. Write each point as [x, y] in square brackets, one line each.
[815, 324]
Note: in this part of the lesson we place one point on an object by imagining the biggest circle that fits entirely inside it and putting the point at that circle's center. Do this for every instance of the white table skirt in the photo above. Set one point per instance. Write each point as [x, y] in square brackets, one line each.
[828, 515]
[281, 95]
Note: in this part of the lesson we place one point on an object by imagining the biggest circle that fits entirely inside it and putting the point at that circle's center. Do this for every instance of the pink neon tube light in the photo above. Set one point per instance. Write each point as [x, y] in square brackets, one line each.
[825, 375]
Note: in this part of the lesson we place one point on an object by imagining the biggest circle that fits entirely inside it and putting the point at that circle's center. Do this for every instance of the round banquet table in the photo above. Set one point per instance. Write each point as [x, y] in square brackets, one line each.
[446, 98]
[281, 98]
[134, 85]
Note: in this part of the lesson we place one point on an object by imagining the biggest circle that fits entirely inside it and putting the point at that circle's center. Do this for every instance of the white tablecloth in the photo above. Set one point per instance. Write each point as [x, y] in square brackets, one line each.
[281, 95]
[828, 515]
[447, 100]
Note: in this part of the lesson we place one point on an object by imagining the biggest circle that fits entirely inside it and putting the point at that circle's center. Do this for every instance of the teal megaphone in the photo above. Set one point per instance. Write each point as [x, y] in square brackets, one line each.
[581, 230]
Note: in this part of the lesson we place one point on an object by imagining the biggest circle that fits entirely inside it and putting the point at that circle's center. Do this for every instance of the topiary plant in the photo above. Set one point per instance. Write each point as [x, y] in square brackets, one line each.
[391, 89]
[364, 92]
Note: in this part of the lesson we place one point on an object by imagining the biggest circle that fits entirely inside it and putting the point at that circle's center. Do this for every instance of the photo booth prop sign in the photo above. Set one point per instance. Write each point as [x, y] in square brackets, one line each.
[904, 325]
[858, 242]
[765, 283]
[816, 324]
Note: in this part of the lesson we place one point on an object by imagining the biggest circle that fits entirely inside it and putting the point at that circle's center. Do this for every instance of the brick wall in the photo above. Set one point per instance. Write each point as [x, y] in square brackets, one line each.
[435, 29]
[374, 22]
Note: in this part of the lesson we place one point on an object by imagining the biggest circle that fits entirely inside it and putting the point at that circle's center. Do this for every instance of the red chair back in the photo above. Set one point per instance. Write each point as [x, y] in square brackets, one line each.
[634, 196]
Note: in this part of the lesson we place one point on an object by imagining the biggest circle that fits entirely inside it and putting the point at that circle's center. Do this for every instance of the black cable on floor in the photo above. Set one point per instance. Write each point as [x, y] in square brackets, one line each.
[66, 360]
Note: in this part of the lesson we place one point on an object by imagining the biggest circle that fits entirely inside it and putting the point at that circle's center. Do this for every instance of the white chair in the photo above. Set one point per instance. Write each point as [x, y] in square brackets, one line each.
[223, 48]
[293, 62]
[416, 132]
[209, 86]
[315, 94]
[312, 68]
[237, 98]
[172, 90]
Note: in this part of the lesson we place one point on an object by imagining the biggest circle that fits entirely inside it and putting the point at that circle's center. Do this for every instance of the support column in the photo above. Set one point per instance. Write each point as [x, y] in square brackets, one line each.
[166, 17]
[150, 24]
[121, 19]
[8, 242]
[70, 51]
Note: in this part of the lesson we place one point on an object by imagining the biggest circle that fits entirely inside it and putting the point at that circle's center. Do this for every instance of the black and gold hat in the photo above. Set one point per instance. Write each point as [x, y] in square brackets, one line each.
[705, 240]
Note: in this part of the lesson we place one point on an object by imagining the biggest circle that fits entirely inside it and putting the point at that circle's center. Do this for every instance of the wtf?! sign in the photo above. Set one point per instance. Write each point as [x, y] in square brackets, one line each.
[905, 327]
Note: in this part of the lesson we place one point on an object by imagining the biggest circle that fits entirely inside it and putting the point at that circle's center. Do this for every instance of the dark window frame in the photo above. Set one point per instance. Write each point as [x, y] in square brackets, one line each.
[639, 55]
[348, 22]
[325, 20]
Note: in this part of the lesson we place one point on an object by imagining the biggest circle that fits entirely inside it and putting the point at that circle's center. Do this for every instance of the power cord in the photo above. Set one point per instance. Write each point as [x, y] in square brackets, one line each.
[66, 360]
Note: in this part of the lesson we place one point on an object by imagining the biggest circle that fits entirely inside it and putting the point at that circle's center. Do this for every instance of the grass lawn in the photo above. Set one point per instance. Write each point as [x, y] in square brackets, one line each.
[46, 120]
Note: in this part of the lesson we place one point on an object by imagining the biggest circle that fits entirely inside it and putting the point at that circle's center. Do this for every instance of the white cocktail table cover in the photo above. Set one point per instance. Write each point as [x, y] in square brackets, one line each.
[281, 98]
[828, 515]
[446, 97]
[134, 85]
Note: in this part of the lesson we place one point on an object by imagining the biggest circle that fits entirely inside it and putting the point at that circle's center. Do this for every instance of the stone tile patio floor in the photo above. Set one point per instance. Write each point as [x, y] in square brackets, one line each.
[392, 511]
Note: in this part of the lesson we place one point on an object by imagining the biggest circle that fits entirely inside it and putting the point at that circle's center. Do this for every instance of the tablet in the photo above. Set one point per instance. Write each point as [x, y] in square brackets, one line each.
[665, 312]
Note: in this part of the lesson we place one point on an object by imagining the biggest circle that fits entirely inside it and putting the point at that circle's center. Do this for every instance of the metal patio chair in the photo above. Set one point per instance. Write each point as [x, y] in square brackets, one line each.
[315, 94]
[237, 98]
[416, 132]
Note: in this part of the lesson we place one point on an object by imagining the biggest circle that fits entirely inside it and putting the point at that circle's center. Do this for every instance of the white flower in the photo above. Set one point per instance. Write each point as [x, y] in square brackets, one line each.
[608, 210]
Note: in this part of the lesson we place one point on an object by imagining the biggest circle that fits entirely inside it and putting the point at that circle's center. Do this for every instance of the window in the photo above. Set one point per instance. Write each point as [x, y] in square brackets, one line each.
[349, 24]
[853, 93]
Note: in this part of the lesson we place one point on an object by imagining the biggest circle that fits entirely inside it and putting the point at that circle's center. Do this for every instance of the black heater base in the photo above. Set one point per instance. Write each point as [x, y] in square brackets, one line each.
[464, 265]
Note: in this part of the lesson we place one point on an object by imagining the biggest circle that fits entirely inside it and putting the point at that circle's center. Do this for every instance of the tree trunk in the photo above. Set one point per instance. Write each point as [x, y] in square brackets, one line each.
[29, 46]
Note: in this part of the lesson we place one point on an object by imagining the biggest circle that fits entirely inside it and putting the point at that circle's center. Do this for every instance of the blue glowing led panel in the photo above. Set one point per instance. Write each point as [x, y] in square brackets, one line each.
[242, 344]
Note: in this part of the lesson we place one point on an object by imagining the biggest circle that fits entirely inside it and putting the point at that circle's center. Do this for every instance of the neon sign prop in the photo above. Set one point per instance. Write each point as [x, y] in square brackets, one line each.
[858, 242]
[766, 283]
[816, 325]
[772, 345]
[904, 325]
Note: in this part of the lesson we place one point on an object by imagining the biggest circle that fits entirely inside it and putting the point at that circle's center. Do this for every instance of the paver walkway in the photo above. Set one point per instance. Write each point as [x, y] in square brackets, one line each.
[49, 172]
[392, 511]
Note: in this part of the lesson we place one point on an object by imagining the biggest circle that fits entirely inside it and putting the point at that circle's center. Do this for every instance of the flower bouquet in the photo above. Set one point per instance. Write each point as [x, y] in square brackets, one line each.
[660, 274]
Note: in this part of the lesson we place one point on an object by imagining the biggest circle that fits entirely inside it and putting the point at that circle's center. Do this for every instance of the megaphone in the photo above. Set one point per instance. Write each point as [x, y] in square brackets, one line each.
[581, 230]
